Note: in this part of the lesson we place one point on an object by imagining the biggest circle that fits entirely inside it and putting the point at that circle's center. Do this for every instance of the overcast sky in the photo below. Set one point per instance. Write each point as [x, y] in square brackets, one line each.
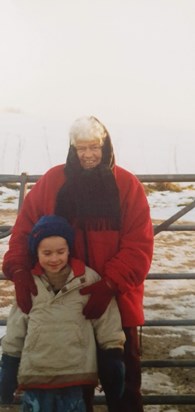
[131, 63]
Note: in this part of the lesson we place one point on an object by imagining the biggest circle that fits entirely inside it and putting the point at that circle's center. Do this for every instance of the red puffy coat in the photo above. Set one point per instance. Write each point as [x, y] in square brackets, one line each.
[124, 256]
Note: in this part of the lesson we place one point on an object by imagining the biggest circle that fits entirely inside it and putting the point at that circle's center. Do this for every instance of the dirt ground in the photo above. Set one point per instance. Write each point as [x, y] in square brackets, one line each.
[156, 342]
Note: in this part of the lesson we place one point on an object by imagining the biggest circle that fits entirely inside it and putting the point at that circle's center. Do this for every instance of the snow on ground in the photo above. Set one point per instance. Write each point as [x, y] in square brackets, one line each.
[170, 203]
[163, 299]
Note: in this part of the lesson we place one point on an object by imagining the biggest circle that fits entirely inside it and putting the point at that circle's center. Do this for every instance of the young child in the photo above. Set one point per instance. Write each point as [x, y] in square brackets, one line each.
[50, 354]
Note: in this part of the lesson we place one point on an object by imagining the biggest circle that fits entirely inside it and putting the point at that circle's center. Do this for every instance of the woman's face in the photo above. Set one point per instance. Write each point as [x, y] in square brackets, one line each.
[89, 153]
[53, 253]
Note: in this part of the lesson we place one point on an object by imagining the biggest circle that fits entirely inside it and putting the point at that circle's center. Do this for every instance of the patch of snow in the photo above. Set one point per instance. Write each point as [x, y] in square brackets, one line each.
[149, 383]
[9, 198]
[164, 204]
[182, 350]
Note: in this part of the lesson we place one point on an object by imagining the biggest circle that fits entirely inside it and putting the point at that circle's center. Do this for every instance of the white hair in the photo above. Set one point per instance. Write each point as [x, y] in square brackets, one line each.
[87, 128]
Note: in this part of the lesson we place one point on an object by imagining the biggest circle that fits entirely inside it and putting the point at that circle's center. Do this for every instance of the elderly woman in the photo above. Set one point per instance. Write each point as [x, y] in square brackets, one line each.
[109, 211]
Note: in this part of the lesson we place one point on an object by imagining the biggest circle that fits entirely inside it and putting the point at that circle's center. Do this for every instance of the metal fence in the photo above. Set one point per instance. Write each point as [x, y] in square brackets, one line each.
[167, 225]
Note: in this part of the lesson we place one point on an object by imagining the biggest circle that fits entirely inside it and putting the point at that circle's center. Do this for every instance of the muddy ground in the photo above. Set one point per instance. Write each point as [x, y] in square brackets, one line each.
[174, 252]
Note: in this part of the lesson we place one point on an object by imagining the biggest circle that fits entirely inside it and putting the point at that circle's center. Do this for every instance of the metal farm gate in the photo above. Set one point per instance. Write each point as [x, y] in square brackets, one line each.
[167, 225]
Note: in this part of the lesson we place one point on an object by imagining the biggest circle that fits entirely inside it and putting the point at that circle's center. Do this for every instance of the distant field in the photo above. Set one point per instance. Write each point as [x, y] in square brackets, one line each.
[172, 299]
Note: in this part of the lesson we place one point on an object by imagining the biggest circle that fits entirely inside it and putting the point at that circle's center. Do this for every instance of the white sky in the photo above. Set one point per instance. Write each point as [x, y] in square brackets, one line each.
[131, 63]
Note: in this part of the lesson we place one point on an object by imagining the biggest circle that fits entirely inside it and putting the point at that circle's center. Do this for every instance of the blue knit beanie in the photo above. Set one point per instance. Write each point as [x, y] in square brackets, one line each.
[47, 226]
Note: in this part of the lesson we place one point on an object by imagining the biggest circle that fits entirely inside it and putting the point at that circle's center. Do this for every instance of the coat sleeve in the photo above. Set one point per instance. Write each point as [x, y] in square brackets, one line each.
[108, 328]
[132, 262]
[13, 342]
[38, 202]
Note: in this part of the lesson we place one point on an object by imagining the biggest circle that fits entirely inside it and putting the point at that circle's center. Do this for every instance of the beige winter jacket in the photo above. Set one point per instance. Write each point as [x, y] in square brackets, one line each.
[55, 342]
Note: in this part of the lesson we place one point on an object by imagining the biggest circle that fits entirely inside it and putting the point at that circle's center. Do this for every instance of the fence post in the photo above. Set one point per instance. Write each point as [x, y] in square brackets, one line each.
[23, 188]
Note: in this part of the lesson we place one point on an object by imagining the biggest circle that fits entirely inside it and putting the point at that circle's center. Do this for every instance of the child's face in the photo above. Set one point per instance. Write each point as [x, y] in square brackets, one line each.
[53, 253]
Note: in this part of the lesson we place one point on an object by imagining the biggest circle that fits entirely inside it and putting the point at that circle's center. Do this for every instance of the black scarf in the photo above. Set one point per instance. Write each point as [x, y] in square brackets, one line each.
[89, 198]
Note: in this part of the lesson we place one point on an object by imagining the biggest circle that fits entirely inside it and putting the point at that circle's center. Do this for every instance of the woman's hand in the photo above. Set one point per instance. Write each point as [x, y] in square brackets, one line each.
[24, 287]
[101, 294]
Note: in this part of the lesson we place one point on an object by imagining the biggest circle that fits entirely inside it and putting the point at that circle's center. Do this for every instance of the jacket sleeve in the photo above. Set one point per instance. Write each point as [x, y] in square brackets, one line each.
[8, 378]
[108, 328]
[13, 342]
[39, 201]
[131, 264]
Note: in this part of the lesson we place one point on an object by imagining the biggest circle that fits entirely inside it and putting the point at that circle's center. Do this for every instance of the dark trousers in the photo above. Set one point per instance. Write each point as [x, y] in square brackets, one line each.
[88, 395]
[132, 399]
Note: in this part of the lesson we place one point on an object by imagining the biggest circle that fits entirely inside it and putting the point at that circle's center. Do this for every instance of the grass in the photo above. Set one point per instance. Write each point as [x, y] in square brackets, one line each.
[165, 186]
[13, 186]
[9, 199]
